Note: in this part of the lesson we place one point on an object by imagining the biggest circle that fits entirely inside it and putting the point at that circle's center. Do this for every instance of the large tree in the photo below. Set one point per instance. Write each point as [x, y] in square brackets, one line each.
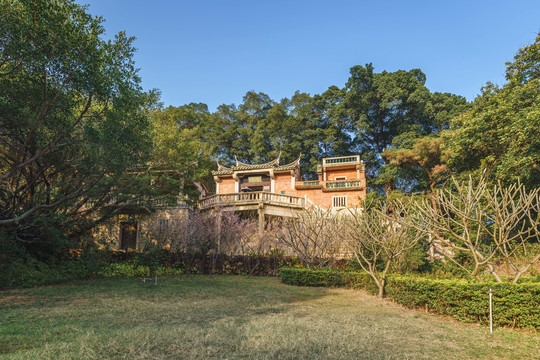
[73, 119]
[182, 149]
[384, 106]
[500, 134]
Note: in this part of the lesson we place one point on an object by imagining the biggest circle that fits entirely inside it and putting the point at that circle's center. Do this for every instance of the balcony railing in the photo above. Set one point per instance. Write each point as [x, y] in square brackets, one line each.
[343, 184]
[341, 160]
[252, 198]
[308, 184]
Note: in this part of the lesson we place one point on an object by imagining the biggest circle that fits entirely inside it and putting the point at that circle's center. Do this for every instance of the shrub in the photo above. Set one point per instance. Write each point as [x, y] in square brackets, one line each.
[515, 305]
[133, 269]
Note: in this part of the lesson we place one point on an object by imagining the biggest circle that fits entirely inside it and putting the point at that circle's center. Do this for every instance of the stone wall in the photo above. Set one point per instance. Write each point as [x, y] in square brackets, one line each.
[147, 227]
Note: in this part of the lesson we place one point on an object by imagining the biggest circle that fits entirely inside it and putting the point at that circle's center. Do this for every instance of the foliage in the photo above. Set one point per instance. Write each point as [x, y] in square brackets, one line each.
[500, 133]
[362, 117]
[135, 269]
[181, 152]
[424, 155]
[515, 305]
[23, 270]
[383, 106]
[151, 258]
[73, 121]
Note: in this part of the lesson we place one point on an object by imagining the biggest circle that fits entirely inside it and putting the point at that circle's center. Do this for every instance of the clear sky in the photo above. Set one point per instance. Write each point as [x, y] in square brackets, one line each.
[215, 51]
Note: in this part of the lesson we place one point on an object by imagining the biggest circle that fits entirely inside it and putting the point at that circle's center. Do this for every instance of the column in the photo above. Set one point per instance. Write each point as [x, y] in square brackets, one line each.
[261, 218]
[272, 181]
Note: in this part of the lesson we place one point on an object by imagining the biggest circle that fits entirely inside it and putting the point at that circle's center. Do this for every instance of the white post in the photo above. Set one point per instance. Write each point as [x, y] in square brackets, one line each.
[490, 311]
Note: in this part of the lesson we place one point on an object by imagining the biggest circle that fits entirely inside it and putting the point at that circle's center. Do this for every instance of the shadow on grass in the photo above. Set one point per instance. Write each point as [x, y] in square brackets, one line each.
[33, 318]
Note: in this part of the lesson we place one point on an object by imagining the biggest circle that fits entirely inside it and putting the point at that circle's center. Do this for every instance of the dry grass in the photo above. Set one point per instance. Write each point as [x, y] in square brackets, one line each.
[233, 317]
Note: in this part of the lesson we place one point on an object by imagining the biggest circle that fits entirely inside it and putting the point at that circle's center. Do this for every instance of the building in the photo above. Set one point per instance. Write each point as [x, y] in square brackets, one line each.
[272, 189]
[134, 226]
[261, 190]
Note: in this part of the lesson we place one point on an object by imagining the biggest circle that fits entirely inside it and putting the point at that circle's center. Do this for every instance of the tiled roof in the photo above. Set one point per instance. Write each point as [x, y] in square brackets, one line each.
[274, 164]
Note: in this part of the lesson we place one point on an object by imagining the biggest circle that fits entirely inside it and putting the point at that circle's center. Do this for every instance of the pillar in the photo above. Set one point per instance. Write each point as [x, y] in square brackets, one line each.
[219, 221]
[261, 218]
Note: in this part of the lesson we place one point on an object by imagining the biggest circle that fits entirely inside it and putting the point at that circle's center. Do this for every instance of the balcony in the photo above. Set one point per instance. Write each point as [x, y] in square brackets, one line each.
[313, 184]
[252, 198]
[343, 184]
[327, 186]
[342, 161]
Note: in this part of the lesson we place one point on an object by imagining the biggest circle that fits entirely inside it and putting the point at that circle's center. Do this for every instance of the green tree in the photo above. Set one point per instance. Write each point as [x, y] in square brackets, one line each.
[181, 152]
[500, 133]
[422, 161]
[384, 106]
[73, 120]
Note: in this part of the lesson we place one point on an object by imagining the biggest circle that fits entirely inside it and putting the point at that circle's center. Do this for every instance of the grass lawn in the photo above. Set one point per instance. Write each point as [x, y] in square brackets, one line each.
[233, 317]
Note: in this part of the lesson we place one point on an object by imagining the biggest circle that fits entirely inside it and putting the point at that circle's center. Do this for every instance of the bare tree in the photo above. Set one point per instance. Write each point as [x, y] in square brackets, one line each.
[222, 232]
[514, 219]
[488, 224]
[313, 236]
[378, 237]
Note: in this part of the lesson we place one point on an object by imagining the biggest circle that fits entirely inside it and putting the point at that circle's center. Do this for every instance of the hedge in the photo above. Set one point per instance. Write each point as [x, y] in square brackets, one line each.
[514, 305]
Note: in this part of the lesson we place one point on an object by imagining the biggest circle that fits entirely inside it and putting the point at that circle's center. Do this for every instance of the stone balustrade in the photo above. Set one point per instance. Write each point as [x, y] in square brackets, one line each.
[252, 198]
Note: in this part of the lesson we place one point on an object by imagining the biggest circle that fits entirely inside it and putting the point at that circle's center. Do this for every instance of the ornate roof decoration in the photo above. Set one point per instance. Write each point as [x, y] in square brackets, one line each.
[274, 164]
[222, 170]
[221, 167]
[290, 166]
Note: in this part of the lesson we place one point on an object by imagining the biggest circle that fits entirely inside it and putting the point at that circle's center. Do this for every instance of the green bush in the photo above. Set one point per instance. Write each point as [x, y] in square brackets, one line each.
[515, 305]
[133, 269]
[306, 277]
[28, 272]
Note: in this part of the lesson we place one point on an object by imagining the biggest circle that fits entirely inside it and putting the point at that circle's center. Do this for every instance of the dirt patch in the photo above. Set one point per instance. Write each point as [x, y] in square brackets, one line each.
[16, 300]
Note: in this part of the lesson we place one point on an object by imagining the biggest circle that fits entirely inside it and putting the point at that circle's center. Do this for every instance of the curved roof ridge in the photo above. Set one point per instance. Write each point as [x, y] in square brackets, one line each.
[274, 162]
[295, 162]
[221, 167]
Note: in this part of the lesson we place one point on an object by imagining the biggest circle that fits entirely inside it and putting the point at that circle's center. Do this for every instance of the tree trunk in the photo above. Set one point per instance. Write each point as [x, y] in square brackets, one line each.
[381, 288]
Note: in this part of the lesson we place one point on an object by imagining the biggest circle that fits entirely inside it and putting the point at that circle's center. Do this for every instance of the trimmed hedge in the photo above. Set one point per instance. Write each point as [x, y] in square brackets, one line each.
[514, 305]
[131, 269]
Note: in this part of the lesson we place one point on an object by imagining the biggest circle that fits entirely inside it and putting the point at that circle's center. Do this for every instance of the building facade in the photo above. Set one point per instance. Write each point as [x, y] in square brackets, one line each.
[341, 182]
[259, 191]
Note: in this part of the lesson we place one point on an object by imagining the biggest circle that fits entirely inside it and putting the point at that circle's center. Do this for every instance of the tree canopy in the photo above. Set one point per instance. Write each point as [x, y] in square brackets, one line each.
[73, 119]
[500, 134]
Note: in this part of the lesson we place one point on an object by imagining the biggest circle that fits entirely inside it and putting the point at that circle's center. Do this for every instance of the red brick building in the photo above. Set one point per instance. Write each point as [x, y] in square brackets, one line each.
[341, 183]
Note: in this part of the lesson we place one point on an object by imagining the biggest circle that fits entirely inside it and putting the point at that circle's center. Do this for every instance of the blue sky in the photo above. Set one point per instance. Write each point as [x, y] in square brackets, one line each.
[215, 51]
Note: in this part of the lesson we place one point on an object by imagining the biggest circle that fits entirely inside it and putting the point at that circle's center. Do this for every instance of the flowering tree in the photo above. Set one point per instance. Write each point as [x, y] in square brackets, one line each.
[313, 236]
[378, 237]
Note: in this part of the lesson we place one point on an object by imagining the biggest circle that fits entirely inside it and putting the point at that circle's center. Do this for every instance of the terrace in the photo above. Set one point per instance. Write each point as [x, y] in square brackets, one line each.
[336, 185]
[252, 198]
[341, 161]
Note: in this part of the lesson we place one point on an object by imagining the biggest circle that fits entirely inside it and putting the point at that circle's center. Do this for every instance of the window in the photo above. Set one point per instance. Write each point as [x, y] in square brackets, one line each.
[128, 236]
[340, 178]
[339, 201]
[163, 225]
